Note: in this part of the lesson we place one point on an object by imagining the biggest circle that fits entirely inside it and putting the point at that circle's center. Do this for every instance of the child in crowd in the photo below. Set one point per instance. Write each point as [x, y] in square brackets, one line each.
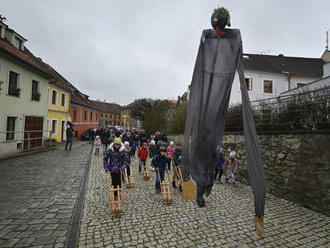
[152, 149]
[97, 144]
[219, 167]
[177, 157]
[160, 161]
[128, 152]
[232, 166]
[143, 155]
[170, 150]
[133, 149]
[114, 162]
[152, 153]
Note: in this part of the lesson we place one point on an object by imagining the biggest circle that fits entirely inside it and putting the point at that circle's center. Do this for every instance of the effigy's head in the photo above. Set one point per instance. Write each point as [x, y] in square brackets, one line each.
[220, 18]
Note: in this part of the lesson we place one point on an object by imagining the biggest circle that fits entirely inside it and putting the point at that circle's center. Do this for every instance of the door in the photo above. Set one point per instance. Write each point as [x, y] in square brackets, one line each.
[33, 132]
[63, 131]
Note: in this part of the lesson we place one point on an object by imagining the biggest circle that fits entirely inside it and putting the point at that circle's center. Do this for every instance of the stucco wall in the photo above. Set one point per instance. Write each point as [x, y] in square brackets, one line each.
[23, 105]
[280, 84]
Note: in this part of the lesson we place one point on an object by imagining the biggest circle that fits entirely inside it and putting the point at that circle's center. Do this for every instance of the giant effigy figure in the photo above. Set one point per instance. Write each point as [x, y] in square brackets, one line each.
[219, 56]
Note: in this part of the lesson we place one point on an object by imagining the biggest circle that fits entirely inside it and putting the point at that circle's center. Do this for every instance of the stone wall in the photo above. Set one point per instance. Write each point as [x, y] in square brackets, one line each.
[297, 167]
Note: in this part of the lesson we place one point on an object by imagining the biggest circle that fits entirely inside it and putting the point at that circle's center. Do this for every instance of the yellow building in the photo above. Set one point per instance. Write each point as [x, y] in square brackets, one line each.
[58, 109]
[126, 117]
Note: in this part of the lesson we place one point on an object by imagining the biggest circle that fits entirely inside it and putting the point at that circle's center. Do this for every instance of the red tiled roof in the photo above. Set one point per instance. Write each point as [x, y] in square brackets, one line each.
[25, 56]
[107, 107]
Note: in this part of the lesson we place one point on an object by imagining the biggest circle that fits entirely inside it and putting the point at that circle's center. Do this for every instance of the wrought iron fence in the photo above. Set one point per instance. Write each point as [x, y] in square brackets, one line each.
[307, 112]
[25, 140]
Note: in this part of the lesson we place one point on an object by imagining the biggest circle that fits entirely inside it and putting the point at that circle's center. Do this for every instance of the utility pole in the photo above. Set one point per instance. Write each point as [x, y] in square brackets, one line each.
[327, 46]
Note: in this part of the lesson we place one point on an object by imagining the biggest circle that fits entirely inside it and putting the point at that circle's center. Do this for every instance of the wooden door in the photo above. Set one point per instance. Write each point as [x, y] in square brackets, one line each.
[34, 127]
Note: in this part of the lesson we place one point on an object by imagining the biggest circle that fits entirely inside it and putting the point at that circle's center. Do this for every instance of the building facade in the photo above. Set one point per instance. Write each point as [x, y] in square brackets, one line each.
[84, 114]
[58, 111]
[267, 76]
[23, 95]
[109, 113]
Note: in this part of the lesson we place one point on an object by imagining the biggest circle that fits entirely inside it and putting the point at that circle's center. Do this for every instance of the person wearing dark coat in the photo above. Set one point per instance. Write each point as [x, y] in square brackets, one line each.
[177, 157]
[69, 136]
[160, 165]
[105, 138]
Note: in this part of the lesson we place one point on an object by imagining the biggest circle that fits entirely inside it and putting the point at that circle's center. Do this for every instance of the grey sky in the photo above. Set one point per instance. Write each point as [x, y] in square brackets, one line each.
[128, 49]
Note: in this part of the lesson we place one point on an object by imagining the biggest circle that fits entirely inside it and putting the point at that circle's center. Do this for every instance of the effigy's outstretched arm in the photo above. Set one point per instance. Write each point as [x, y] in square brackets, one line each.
[188, 187]
[254, 163]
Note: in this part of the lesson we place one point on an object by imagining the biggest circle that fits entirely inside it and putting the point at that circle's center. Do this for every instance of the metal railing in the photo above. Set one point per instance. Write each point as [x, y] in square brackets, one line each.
[304, 112]
[25, 140]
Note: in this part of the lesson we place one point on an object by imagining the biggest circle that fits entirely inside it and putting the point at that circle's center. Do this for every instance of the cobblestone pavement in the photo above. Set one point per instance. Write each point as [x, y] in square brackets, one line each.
[38, 195]
[225, 222]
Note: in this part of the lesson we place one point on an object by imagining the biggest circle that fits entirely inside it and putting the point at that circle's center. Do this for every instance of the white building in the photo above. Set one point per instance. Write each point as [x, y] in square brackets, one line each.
[268, 76]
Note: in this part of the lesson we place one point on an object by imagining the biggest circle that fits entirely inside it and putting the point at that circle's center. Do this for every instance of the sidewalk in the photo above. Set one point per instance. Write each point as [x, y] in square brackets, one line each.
[38, 195]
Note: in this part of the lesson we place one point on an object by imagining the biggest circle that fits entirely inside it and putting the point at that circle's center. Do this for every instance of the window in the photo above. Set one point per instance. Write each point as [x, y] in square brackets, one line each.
[91, 116]
[54, 97]
[300, 85]
[101, 115]
[268, 86]
[35, 93]
[74, 114]
[85, 115]
[63, 100]
[13, 89]
[97, 116]
[54, 126]
[10, 128]
[248, 82]
[17, 43]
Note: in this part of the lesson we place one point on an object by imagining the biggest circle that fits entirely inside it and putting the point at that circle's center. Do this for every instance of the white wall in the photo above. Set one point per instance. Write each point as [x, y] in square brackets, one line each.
[280, 84]
[326, 69]
[324, 82]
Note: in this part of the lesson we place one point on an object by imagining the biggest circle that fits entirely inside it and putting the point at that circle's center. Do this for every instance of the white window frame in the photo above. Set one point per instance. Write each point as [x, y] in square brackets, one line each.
[15, 127]
[239, 84]
[263, 86]
[18, 82]
[55, 98]
[64, 134]
[55, 133]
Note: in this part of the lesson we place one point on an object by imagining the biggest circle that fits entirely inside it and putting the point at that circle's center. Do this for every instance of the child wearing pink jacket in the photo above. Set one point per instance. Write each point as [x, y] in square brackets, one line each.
[170, 151]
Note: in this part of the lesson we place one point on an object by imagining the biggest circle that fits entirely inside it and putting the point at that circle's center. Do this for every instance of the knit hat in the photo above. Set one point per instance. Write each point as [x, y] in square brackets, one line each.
[117, 141]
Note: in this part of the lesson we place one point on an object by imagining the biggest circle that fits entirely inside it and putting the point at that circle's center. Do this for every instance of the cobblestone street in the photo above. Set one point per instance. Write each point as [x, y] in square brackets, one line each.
[225, 222]
[38, 195]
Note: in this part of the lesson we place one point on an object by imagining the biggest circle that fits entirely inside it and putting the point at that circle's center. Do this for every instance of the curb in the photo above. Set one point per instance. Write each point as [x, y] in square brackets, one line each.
[73, 236]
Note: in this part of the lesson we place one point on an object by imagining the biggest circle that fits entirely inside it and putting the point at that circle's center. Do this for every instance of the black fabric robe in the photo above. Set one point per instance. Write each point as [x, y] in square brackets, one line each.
[216, 64]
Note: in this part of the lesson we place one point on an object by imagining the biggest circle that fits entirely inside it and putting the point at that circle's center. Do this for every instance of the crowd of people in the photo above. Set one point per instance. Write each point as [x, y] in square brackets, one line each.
[120, 147]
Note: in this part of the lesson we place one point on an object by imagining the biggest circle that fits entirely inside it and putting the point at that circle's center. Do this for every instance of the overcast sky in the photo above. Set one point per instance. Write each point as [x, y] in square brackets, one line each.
[128, 49]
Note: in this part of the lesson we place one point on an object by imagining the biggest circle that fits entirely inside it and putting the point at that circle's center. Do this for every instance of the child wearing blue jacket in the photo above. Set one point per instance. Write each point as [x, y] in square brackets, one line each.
[160, 160]
[219, 167]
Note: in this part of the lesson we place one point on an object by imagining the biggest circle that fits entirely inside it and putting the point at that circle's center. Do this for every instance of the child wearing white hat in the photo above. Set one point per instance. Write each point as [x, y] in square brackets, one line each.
[232, 166]
[97, 144]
